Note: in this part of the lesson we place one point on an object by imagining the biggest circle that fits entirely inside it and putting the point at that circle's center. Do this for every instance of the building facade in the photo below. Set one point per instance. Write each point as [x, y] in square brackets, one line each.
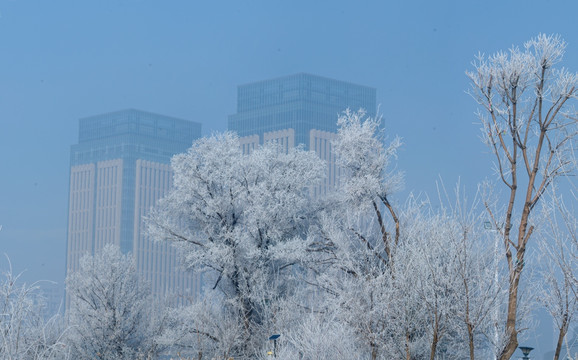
[300, 109]
[118, 170]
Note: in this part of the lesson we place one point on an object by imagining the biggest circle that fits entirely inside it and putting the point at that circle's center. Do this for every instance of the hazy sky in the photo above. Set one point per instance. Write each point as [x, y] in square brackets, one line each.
[63, 60]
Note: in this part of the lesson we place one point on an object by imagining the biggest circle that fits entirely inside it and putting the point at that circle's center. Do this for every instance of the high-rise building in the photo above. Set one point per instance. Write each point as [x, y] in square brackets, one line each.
[298, 109]
[118, 170]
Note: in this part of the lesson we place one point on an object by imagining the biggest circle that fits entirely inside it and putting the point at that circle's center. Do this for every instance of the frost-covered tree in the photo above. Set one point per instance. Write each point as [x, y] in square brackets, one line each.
[24, 331]
[367, 182]
[530, 125]
[316, 336]
[409, 281]
[559, 247]
[434, 300]
[354, 244]
[469, 252]
[432, 255]
[241, 218]
[204, 329]
[110, 313]
[367, 272]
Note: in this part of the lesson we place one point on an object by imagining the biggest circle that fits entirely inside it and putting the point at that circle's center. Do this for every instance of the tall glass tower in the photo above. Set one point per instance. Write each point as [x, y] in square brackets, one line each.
[118, 170]
[300, 102]
[298, 109]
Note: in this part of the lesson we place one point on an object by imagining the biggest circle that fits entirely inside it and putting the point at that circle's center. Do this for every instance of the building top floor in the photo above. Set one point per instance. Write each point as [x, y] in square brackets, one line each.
[304, 87]
[132, 134]
[106, 127]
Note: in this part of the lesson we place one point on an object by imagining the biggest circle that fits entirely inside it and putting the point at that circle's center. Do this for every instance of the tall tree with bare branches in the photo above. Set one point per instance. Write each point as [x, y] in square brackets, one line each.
[530, 125]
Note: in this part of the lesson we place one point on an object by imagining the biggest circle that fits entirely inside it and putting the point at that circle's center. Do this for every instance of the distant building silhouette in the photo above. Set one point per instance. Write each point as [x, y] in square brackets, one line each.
[118, 170]
[298, 109]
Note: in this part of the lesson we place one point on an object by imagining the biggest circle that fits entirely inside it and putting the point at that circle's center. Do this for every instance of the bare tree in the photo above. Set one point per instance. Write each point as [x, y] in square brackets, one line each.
[559, 247]
[529, 124]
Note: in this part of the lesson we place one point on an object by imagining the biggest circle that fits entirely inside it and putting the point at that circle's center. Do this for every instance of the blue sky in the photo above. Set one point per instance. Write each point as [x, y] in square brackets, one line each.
[62, 60]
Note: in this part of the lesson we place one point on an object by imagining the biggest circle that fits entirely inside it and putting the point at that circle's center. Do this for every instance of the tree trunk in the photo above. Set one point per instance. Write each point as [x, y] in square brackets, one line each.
[407, 350]
[434, 345]
[373, 352]
[561, 335]
[511, 331]
[435, 339]
[471, 341]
